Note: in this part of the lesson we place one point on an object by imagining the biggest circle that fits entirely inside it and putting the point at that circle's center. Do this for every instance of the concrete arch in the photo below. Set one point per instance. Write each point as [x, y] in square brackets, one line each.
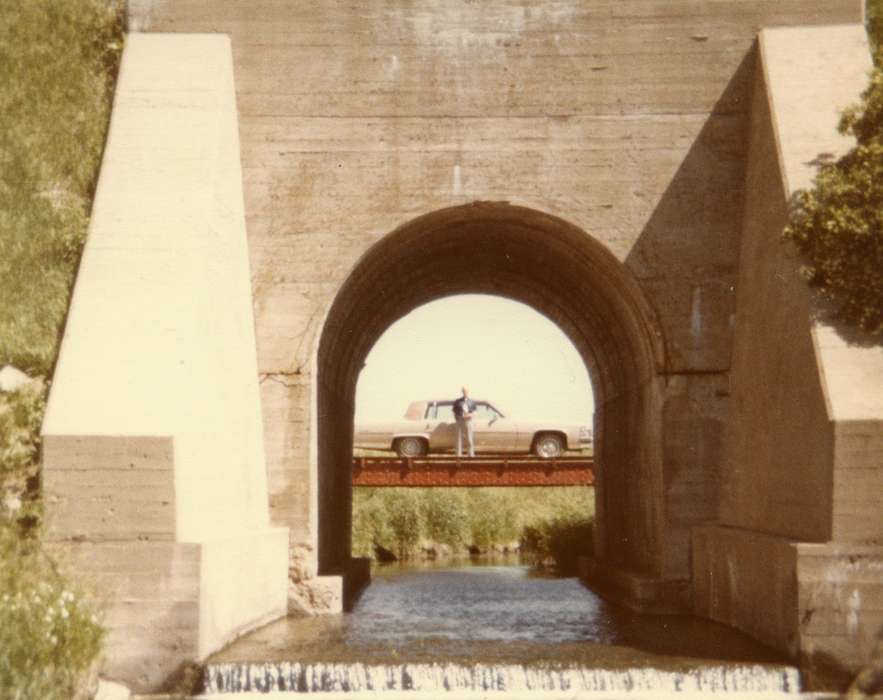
[562, 272]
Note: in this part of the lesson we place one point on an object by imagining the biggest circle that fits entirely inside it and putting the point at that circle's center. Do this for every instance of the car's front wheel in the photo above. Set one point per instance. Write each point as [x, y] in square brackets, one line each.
[548, 446]
[410, 447]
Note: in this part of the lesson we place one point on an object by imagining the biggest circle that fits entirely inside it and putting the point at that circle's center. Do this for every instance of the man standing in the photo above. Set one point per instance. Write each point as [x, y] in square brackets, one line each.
[464, 407]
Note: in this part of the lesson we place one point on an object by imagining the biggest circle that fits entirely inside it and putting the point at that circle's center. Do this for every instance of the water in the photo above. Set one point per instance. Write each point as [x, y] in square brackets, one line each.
[493, 628]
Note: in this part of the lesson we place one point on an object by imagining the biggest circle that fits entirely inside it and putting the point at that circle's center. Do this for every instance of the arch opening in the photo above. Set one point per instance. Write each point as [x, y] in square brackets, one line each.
[504, 351]
[556, 269]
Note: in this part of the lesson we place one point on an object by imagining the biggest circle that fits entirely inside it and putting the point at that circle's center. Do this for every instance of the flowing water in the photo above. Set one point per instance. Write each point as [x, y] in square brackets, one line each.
[493, 628]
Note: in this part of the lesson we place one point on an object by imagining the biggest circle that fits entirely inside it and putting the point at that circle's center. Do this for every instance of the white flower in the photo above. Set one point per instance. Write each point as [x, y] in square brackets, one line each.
[12, 503]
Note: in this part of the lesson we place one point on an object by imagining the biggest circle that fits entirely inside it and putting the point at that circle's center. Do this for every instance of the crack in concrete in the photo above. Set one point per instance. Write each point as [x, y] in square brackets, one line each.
[280, 377]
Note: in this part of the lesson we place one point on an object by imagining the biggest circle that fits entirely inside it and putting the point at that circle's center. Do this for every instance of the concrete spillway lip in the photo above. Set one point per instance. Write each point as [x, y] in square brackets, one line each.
[491, 695]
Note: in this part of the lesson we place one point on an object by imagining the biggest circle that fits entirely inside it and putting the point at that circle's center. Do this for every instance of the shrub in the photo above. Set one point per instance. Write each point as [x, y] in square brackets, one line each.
[493, 517]
[370, 527]
[561, 539]
[403, 518]
[21, 413]
[838, 224]
[445, 516]
[50, 633]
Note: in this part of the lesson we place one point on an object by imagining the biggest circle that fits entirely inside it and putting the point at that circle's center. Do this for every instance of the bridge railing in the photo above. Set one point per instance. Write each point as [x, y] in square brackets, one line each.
[486, 470]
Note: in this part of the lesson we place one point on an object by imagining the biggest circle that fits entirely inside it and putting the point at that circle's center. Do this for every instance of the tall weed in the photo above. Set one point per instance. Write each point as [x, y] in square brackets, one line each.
[50, 631]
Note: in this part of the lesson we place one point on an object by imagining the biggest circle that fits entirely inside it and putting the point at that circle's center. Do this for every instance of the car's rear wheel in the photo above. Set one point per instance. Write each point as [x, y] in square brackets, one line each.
[410, 447]
[548, 446]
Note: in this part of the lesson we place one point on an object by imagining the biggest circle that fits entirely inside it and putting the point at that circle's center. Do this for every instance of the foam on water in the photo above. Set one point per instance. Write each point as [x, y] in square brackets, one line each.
[355, 677]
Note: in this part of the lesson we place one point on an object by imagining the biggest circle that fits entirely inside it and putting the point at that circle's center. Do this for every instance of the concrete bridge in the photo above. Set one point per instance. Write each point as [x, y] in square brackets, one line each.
[284, 180]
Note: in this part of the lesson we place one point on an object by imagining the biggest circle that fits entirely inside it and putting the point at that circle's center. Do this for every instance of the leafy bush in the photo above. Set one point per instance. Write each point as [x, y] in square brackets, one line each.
[493, 518]
[403, 518]
[561, 539]
[58, 59]
[370, 527]
[50, 633]
[445, 516]
[838, 224]
[21, 413]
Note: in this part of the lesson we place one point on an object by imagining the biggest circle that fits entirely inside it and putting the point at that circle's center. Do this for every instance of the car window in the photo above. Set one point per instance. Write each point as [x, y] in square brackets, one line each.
[443, 410]
[486, 411]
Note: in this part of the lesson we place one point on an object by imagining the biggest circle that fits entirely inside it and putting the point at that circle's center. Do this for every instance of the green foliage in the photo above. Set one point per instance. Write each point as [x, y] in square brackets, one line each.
[388, 518]
[370, 527]
[838, 224]
[493, 517]
[50, 632]
[403, 518]
[445, 516]
[874, 17]
[562, 539]
[58, 59]
[562, 531]
[553, 521]
[21, 413]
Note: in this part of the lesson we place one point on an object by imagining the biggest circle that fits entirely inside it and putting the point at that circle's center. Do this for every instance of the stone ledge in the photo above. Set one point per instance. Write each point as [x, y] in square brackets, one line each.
[641, 593]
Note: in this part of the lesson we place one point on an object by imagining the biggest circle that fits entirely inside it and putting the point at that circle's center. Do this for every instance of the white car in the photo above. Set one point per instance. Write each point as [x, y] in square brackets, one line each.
[429, 426]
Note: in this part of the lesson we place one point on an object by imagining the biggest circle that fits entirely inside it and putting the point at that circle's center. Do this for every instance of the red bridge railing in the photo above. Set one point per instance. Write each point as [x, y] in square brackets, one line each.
[486, 470]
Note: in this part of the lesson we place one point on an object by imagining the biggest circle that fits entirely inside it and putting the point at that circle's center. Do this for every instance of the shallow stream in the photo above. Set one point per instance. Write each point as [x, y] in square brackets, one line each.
[480, 627]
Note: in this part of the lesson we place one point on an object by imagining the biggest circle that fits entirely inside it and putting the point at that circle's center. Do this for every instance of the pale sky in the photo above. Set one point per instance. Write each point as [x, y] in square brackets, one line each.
[503, 351]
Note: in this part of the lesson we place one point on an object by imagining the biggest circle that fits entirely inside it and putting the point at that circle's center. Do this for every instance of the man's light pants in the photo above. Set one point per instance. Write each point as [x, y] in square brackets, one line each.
[464, 428]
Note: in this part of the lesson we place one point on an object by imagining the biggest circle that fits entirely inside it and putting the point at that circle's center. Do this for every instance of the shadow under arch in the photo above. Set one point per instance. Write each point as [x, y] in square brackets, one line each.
[563, 273]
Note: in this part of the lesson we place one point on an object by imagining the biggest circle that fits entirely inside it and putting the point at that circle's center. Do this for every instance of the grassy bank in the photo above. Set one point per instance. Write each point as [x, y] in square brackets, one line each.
[59, 60]
[552, 523]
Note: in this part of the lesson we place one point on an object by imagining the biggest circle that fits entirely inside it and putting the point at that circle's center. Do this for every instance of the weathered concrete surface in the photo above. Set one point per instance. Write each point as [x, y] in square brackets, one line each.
[153, 461]
[804, 438]
[840, 604]
[588, 159]
[626, 120]
[320, 595]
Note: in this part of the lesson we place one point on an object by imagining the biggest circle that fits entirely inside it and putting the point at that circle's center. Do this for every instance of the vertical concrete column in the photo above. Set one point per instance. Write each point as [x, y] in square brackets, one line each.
[796, 559]
[154, 468]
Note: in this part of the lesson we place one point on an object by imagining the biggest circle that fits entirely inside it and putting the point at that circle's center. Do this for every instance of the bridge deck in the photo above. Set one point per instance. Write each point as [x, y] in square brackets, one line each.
[486, 470]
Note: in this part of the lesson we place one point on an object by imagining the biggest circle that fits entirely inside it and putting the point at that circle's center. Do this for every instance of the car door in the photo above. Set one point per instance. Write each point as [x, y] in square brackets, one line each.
[493, 431]
[441, 426]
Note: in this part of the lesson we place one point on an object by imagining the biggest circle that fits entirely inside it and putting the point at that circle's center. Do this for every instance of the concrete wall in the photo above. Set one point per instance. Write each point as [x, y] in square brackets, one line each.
[626, 119]
[153, 462]
[802, 448]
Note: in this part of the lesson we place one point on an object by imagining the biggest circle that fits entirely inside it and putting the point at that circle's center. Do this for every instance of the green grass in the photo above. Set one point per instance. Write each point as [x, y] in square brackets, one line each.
[58, 59]
[58, 62]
